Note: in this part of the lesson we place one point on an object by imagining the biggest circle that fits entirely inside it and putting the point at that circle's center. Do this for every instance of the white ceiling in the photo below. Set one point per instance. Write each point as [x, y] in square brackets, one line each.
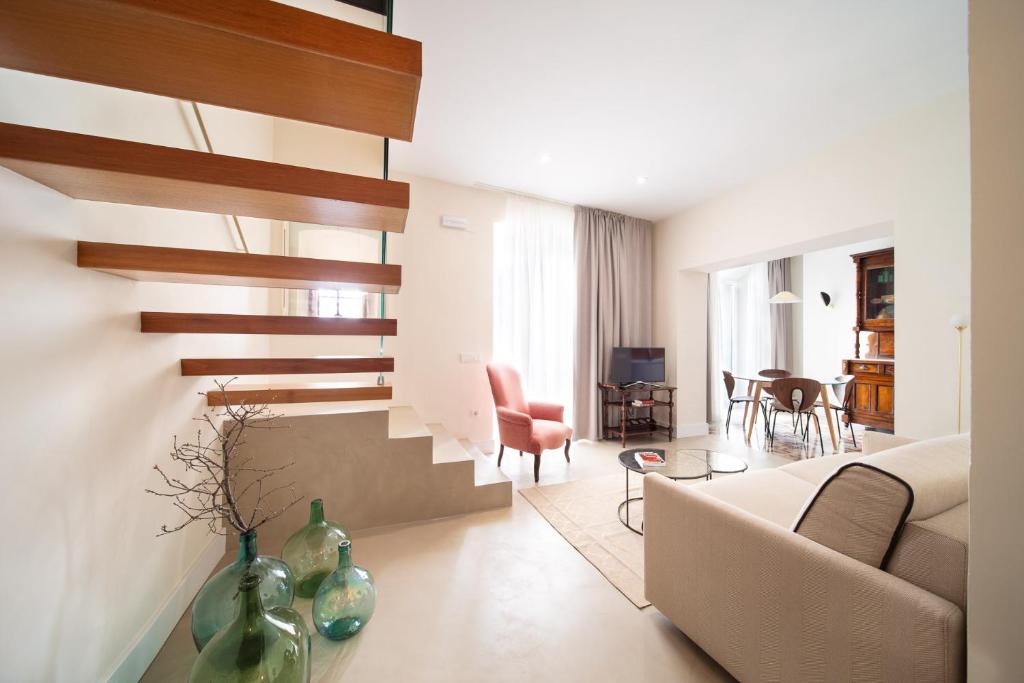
[695, 95]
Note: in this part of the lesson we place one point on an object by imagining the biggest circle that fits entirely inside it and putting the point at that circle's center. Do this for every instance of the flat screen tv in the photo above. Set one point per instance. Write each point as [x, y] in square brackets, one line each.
[633, 364]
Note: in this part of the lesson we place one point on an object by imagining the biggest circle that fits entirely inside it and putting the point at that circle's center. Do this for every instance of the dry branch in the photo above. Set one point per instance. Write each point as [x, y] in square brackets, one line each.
[215, 498]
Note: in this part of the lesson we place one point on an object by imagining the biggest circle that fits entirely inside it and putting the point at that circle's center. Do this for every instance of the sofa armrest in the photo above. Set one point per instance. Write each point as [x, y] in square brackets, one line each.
[875, 442]
[769, 604]
[547, 411]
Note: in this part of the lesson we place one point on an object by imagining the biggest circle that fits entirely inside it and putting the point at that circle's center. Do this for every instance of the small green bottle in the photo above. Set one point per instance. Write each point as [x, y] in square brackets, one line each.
[259, 646]
[345, 600]
[310, 552]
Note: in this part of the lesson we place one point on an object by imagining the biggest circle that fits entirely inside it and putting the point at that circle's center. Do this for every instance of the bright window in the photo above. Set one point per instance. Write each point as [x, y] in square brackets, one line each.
[535, 297]
[333, 303]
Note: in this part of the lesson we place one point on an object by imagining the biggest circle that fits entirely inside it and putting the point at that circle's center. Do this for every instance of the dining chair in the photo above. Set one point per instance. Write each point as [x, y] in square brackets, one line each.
[843, 394]
[730, 387]
[774, 373]
[797, 396]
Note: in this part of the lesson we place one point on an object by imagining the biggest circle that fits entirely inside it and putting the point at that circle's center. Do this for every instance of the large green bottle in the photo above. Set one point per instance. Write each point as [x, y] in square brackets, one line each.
[216, 604]
[311, 551]
[345, 600]
[258, 646]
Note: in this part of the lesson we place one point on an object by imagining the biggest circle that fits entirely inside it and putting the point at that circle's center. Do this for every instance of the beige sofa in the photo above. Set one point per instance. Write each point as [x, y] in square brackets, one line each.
[768, 604]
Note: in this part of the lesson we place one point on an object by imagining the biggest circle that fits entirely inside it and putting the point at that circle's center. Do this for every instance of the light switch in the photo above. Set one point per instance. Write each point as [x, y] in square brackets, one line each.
[469, 357]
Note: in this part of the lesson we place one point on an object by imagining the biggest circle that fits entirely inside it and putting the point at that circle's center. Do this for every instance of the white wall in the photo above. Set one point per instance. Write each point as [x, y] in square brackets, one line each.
[827, 333]
[89, 403]
[994, 587]
[910, 173]
[445, 306]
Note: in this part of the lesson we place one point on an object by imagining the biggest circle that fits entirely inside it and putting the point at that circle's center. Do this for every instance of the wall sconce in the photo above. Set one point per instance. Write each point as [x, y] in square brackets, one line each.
[826, 299]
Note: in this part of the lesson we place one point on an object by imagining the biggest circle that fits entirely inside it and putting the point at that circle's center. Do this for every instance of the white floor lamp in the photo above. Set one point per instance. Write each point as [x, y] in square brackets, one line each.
[959, 323]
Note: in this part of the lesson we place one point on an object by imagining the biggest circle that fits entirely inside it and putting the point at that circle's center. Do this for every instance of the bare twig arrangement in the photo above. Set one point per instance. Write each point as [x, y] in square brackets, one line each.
[231, 491]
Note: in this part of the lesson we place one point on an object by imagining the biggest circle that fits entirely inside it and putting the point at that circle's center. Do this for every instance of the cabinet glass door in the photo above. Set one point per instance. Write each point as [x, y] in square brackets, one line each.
[880, 300]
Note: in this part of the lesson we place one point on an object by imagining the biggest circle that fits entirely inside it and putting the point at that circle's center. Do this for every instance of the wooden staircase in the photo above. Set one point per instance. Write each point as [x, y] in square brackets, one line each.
[254, 55]
[195, 266]
[228, 323]
[300, 393]
[322, 365]
[123, 172]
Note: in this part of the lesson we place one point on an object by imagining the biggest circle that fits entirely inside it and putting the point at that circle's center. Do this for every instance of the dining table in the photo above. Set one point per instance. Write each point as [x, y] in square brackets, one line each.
[756, 382]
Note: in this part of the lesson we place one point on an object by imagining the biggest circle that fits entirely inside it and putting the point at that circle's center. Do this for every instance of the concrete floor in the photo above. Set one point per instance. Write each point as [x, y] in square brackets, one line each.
[501, 596]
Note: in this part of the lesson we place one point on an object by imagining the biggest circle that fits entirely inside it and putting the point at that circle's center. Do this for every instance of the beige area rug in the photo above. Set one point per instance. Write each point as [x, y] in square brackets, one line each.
[585, 512]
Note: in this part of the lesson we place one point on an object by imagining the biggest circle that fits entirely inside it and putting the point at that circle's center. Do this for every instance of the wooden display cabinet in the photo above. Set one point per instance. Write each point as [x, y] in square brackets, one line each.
[874, 374]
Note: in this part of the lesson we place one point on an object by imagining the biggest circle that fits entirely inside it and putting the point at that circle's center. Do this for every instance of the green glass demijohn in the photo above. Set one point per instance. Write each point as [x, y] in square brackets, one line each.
[258, 646]
[311, 552]
[345, 600]
[216, 604]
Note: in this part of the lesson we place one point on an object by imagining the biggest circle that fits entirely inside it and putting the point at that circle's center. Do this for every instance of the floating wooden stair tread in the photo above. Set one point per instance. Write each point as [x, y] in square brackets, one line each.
[300, 393]
[163, 264]
[255, 55]
[191, 367]
[224, 323]
[108, 170]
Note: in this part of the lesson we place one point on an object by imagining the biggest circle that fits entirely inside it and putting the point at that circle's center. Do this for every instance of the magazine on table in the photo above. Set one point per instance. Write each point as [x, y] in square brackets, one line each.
[649, 459]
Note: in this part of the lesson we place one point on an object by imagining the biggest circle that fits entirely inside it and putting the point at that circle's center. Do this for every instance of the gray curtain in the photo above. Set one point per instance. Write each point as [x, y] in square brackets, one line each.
[780, 278]
[614, 255]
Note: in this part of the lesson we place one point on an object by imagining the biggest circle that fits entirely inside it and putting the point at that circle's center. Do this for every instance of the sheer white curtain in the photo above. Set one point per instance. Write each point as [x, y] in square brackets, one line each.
[739, 327]
[535, 297]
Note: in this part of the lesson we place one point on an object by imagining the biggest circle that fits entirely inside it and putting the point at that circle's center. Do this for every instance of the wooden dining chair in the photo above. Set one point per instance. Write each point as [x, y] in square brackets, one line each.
[843, 394]
[730, 387]
[774, 373]
[797, 396]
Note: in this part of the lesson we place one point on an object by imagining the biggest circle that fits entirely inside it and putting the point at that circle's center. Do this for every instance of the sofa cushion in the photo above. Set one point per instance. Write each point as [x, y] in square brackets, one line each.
[770, 494]
[817, 470]
[932, 553]
[936, 469]
[859, 512]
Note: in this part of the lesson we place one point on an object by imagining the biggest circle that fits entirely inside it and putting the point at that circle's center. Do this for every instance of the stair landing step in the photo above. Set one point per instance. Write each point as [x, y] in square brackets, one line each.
[194, 367]
[405, 423]
[199, 266]
[300, 393]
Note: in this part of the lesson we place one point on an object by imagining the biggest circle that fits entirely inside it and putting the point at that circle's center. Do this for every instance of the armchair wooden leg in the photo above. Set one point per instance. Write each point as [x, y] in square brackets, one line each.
[536, 468]
[501, 452]
[567, 450]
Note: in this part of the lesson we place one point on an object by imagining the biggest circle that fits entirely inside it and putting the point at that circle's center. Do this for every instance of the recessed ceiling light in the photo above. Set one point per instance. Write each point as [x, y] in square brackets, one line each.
[545, 158]
[641, 179]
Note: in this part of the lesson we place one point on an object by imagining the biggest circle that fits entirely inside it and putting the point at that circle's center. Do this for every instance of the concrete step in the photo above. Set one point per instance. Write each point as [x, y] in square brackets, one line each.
[446, 447]
[487, 470]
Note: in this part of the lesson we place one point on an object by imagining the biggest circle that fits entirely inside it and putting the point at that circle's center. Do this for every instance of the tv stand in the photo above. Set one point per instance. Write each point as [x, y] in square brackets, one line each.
[617, 422]
[642, 385]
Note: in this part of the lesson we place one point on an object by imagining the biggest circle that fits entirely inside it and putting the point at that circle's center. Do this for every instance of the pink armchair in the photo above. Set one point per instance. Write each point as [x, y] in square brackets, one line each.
[533, 427]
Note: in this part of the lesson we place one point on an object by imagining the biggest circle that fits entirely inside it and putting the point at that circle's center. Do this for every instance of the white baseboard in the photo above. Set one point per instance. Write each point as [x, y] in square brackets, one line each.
[140, 654]
[694, 429]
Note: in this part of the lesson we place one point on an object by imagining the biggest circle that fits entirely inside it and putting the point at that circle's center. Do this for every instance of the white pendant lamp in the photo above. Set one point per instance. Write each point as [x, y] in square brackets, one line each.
[784, 297]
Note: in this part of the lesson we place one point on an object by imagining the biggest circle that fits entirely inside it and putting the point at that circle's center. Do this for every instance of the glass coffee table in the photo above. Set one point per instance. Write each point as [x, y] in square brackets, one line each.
[685, 463]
